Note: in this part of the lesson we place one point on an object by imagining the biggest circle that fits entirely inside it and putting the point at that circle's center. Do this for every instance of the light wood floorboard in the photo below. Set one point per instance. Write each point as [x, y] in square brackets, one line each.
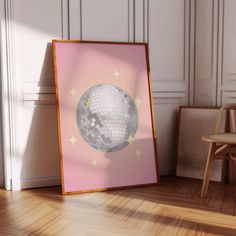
[174, 207]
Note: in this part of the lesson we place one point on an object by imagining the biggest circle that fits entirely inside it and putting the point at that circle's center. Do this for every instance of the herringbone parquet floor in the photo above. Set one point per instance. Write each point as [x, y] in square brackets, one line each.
[172, 208]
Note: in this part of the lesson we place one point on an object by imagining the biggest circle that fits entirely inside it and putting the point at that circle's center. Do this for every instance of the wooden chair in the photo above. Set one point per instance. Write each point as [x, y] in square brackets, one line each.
[222, 143]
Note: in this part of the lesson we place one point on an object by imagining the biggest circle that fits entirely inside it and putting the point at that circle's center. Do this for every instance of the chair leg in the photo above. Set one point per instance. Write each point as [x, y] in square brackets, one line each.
[206, 177]
[223, 171]
[232, 178]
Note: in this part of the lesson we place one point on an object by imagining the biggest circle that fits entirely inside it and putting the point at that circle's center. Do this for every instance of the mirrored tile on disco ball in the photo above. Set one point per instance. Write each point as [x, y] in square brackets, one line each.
[110, 109]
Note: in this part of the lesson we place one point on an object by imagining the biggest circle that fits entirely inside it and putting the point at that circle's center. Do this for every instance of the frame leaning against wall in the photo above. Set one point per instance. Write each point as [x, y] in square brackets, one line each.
[59, 112]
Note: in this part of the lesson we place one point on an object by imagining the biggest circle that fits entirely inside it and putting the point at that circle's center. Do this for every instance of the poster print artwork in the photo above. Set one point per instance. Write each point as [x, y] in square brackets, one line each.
[105, 115]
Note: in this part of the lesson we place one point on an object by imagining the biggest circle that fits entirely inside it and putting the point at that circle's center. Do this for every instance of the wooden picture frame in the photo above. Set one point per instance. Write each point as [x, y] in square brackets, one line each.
[194, 122]
[129, 157]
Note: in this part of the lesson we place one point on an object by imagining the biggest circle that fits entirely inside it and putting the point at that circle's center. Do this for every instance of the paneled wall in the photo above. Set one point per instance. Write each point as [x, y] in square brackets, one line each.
[32, 151]
[101, 20]
[167, 24]
[1, 65]
[192, 57]
[227, 54]
[205, 87]
[215, 52]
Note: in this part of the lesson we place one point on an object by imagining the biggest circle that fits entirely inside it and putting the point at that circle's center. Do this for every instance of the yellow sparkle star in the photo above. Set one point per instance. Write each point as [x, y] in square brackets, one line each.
[89, 103]
[73, 92]
[138, 153]
[116, 74]
[94, 162]
[130, 139]
[73, 140]
[138, 102]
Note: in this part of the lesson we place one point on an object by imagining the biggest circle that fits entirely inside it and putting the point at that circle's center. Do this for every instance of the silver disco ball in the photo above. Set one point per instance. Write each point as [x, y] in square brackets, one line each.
[107, 117]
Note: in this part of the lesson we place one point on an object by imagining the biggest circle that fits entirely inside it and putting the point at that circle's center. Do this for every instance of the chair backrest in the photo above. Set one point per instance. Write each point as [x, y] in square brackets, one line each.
[229, 113]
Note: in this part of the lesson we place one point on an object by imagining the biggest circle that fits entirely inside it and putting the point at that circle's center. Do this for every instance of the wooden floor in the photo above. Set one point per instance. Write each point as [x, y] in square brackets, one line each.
[172, 208]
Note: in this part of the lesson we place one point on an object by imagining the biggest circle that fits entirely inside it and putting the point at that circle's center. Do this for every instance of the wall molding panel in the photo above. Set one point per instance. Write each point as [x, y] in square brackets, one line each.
[35, 93]
[227, 50]
[169, 24]
[228, 97]
[215, 52]
[206, 29]
[191, 56]
[169, 58]
[106, 20]
[139, 21]
[75, 22]
[65, 18]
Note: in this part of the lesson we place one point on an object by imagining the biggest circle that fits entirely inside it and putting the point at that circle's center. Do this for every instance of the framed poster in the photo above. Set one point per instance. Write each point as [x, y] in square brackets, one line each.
[105, 115]
[194, 122]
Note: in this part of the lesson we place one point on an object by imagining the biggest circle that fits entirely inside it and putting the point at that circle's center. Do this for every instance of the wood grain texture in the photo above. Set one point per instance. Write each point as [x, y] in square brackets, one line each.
[172, 208]
[222, 145]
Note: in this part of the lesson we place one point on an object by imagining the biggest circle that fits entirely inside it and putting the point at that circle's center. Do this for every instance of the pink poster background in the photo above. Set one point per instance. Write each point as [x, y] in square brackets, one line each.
[79, 67]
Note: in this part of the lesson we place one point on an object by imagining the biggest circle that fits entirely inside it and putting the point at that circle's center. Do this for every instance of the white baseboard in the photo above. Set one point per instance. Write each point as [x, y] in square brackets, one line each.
[55, 181]
[167, 171]
[40, 182]
[1, 180]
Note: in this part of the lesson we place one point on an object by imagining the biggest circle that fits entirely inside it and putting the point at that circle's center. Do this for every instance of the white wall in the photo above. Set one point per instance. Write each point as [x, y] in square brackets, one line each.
[191, 63]
[166, 28]
[215, 58]
[36, 23]
[1, 157]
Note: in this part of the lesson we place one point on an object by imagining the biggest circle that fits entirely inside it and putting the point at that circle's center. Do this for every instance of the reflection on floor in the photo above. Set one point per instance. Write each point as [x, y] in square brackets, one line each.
[174, 207]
